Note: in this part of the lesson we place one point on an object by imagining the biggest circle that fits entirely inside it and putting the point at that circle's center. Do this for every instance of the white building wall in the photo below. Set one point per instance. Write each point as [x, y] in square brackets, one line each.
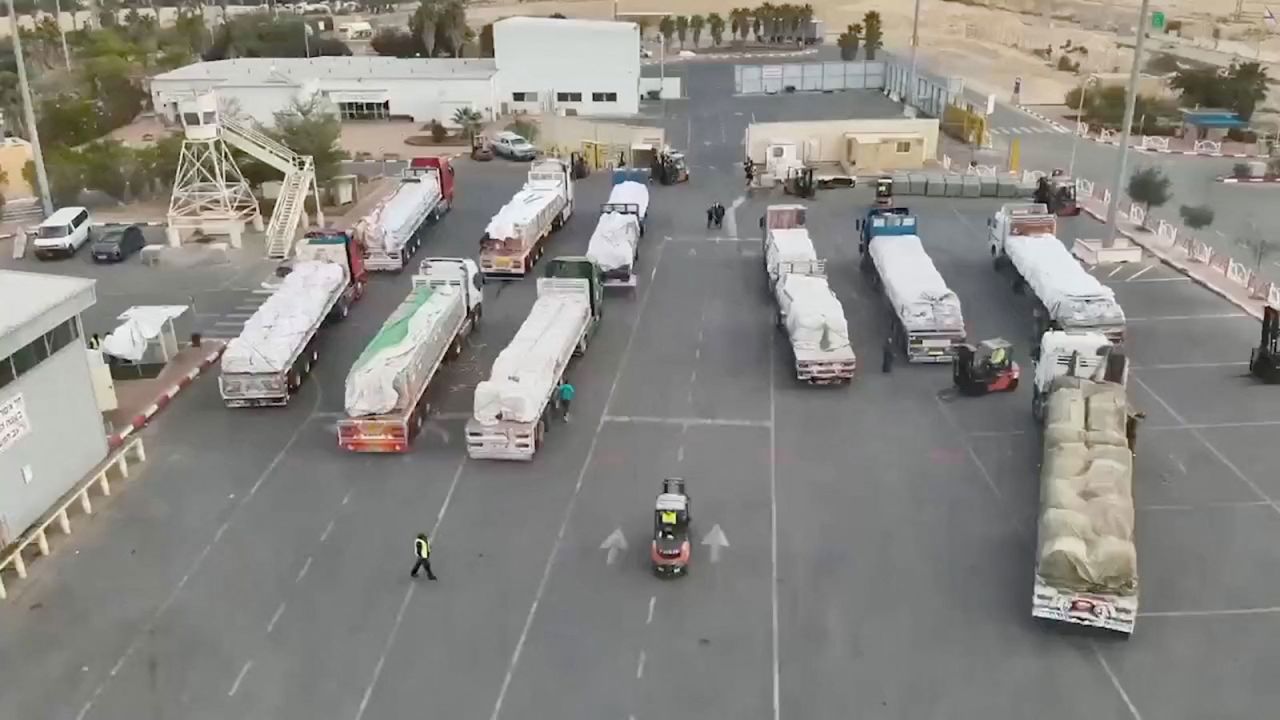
[571, 66]
[259, 103]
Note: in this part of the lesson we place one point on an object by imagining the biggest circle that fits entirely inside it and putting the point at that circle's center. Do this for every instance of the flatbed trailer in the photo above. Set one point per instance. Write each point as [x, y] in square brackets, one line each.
[517, 435]
[275, 383]
[456, 280]
[515, 238]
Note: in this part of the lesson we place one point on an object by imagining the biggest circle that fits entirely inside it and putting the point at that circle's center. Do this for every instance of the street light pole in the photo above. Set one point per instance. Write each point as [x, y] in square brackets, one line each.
[915, 44]
[1109, 240]
[1075, 138]
[29, 113]
[62, 34]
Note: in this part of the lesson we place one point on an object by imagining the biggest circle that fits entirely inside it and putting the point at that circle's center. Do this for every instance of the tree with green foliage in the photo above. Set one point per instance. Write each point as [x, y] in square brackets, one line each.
[740, 23]
[70, 118]
[682, 28]
[804, 16]
[470, 120]
[667, 28]
[111, 80]
[1260, 246]
[1106, 106]
[1196, 217]
[849, 41]
[391, 42]
[1239, 88]
[260, 35]
[1149, 186]
[486, 41]
[105, 166]
[873, 34]
[65, 172]
[696, 24]
[311, 127]
[715, 26]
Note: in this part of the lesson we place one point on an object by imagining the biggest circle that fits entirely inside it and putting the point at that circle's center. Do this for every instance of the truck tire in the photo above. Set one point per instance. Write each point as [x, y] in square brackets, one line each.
[1037, 405]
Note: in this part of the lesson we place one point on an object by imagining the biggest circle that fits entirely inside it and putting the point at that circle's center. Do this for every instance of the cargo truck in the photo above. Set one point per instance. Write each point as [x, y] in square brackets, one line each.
[392, 231]
[628, 196]
[807, 308]
[513, 240]
[1086, 559]
[385, 398]
[277, 348]
[928, 322]
[512, 408]
[1023, 237]
[615, 245]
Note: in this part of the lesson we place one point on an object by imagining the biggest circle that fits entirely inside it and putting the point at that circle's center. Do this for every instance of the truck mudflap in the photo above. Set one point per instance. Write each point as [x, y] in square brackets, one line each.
[1118, 613]
[365, 435]
[932, 349]
[825, 372]
[499, 443]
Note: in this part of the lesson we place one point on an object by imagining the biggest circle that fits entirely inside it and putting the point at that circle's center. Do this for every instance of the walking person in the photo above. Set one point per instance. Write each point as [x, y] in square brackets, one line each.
[749, 168]
[422, 550]
[565, 391]
[718, 210]
[886, 362]
[711, 216]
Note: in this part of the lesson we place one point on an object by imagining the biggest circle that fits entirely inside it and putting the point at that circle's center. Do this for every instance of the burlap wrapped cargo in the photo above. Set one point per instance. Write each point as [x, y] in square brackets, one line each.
[1087, 514]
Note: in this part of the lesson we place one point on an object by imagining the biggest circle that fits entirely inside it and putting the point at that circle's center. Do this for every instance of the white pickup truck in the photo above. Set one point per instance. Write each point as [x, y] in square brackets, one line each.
[277, 348]
[1087, 561]
[511, 408]
[513, 240]
[808, 310]
[1023, 236]
[386, 387]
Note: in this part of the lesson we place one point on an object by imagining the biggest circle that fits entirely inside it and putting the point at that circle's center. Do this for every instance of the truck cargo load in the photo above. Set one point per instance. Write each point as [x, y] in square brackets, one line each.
[629, 193]
[813, 316]
[415, 334]
[385, 394]
[1087, 567]
[790, 250]
[509, 410]
[1025, 236]
[613, 246]
[392, 231]
[513, 238]
[275, 331]
[929, 319]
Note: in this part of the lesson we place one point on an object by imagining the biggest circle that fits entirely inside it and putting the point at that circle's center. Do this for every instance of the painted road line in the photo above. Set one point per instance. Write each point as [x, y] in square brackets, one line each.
[240, 678]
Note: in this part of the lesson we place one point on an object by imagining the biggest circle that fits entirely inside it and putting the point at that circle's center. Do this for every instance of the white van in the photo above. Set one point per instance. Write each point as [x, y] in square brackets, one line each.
[62, 233]
[355, 31]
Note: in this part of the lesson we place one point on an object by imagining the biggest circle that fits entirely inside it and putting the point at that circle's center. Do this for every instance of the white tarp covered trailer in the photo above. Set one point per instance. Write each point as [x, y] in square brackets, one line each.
[281, 326]
[790, 250]
[928, 310]
[392, 222]
[613, 245]
[631, 193]
[409, 344]
[1073, 297]
[526, 218]
[816, 325]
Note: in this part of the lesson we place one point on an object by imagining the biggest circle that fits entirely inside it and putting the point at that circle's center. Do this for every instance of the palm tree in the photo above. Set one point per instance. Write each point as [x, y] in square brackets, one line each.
[428, 17]
[667, 28]
[696, 23]
[739, 23]
[803, 19]
[715, 24]
[849, 41]
[764, 21]
[470, 120]
[682, 28]
[454, 24]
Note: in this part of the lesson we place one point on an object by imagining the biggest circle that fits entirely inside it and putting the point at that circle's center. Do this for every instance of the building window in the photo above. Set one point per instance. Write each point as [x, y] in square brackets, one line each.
[61, 336]
[904, 146]
[604, 97]
[6, 372]
[191, 119]
[569, 97]
[365, 110]
[524, 97]
[35, 352]
[30, 356]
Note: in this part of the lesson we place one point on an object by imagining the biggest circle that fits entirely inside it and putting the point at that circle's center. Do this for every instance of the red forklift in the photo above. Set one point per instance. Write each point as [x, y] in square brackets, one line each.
[671, 548]
[1058, 193]
[985, 369]
[1264, 361]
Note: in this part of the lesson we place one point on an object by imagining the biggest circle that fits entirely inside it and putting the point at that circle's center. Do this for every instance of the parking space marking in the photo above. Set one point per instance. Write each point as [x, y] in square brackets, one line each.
[686, 421]
[275, 617]
[1186, 366]
[1115, 681]
[1210, 613]
[1210, 316]
[1214, 426]
[1140, 273]
[240, 678]
[1202, 506]
[1115, 271]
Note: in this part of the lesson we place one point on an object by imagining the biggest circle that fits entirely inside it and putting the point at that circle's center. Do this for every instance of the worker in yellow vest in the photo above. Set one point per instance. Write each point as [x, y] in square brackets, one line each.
[422, 549]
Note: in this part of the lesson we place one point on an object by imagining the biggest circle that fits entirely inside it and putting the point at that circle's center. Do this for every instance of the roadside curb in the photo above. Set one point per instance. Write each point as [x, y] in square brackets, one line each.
[731, 56]
[1181, 268]
[1234, 180]
[1139, 148]
[141, 419]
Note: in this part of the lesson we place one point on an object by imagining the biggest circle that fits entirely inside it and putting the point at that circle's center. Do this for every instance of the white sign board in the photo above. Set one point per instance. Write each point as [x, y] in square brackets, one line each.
[991, 104]
[13, 421]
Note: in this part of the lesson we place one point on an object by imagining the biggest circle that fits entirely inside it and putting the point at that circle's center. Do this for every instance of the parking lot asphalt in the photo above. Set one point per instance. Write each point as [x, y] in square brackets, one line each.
[880, 536]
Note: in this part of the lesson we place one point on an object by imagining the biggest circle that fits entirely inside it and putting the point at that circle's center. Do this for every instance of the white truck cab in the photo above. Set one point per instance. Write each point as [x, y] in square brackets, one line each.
[463, 273]
[1082, 354]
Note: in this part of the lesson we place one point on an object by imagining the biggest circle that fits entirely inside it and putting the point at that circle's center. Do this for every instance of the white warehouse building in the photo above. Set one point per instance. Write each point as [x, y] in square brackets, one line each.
[538, 67]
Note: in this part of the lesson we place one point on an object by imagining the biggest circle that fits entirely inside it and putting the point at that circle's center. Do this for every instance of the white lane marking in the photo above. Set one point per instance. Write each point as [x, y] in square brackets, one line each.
[327, 529]
[731, 217]
[1117, 269]
[573, 499]
[996, 433]
[680, 454]
[1210, 613]
[1210, 446]
[239, 678]
[275, 617]
[727, 422]
[84, 710]
[640, 666]
[241, 315]
[1211, 316]
[1214, 426]
[230, 323]
[1203, 506]
[1115, 681]
[653, 600]
[408, 595]
[346, 497]
[1182, 366]
[303, 572]
[221, 529]
[773, 529]
[1139, 274]
[1161, 279]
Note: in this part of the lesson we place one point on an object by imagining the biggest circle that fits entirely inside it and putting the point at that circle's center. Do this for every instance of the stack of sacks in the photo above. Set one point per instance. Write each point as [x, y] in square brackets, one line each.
[1087, 514]
[815, 317]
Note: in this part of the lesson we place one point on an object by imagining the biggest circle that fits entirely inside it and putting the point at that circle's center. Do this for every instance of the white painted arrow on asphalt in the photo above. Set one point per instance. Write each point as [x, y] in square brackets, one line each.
[615, 544]
[716, 541]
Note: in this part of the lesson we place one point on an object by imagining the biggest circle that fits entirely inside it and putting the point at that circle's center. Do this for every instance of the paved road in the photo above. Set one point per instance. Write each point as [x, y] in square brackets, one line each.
[879, 538]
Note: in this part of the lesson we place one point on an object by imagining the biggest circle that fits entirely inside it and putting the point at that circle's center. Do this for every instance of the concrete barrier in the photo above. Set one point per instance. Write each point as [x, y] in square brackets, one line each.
[38, 534]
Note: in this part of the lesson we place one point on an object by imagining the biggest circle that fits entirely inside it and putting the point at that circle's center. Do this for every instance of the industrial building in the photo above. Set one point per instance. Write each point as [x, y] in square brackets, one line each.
[51, 431]
[522, 77]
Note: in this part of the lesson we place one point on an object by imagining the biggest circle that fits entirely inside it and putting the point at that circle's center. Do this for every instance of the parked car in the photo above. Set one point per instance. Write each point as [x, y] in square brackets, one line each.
[510, 145]
[118, 243]
[62, 233]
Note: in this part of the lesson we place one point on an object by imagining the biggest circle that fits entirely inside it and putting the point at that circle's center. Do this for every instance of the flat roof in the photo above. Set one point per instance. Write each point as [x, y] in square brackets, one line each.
[525, 20]
[25, 296]
[1213, 119]
[274, 71]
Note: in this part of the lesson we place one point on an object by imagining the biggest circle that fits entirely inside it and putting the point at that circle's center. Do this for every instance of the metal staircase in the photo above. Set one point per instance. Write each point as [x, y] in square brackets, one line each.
[299, 180]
